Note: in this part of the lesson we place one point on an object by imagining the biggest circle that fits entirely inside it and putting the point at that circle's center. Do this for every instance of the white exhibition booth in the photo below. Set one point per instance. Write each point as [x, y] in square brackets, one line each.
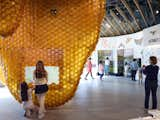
[132, 41]
[143, 45]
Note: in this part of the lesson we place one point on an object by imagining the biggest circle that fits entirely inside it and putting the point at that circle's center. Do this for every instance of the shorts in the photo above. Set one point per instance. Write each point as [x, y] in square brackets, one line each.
[106, 69]
[41, 89]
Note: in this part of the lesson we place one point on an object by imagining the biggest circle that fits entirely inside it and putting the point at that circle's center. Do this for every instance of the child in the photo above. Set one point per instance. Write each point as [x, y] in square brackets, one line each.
[89, 68]
[26, 96]
[100, 69]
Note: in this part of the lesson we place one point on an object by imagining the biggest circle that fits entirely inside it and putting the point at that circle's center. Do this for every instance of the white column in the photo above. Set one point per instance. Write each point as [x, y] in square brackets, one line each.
[115, 60]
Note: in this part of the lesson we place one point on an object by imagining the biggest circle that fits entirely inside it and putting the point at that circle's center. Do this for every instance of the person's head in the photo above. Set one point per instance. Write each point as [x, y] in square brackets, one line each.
[143, 66]
[126, 63]
[107, 58]
[134, 59]
[40, 71]
[100, 62]
[40, 66]
[89, 58]
[153, 60]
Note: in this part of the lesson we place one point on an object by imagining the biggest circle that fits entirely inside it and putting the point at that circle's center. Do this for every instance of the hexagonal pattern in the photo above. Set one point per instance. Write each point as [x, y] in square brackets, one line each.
[10, 15]
[64, 39]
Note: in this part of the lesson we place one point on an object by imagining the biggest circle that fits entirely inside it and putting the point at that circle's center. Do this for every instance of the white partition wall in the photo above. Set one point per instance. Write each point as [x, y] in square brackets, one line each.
[132, 41]
[144, 44]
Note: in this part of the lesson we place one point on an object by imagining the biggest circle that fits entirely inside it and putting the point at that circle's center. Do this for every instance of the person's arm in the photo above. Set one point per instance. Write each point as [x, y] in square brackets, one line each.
[47, 77]
[103, 68]
[34, 78]
[157, 70]
[131, 65]
[137, 66]
[145, 70]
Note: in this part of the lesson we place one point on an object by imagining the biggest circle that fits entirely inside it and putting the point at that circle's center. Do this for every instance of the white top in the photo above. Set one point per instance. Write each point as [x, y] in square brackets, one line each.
[28, 104]
[107, 62]
[40, 81]
[100, 68]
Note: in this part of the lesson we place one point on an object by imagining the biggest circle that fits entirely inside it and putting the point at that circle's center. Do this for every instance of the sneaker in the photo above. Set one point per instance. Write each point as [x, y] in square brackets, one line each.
[40, 116]
[146, 111]
[44, 110]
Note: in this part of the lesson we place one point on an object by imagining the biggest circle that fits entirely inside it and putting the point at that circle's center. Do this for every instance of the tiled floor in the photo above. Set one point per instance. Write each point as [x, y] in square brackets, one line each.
[111, 99]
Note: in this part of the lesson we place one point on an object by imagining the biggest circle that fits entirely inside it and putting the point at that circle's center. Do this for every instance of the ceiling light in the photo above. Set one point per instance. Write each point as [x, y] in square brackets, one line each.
[13, 3]
[137, 10]
[119, 21]
[157, 11]
[108, 25]
[53, 11]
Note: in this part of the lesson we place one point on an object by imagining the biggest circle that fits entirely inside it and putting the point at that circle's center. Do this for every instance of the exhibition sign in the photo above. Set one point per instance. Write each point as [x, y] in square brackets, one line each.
[151, 36]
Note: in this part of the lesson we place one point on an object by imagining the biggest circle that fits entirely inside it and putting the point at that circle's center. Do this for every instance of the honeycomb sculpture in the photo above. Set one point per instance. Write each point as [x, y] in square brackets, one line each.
[60, 32]
[10, 15]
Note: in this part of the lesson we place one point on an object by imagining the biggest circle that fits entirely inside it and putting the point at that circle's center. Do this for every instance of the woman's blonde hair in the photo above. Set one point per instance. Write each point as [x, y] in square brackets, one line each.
[153, 60]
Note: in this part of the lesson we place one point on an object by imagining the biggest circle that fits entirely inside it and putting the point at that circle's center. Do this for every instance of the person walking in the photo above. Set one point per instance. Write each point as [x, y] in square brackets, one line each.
[107, 63]
[89, 68]
[126, 69]
[151, 82]
[134, 68]
[40, 78]
[100, 69]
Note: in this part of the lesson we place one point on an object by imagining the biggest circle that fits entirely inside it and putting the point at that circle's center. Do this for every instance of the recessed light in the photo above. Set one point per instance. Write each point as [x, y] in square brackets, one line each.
[53, 11]
[13, 3]
[157, 11]
[108, 25]
[119, 21]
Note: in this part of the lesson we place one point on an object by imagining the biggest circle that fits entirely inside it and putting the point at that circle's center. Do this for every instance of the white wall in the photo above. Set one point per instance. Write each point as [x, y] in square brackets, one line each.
[144, 44]
[131, 41]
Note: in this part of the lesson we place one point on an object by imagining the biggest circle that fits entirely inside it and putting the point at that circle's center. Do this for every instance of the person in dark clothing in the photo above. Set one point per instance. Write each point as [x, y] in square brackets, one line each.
[24, 88]
[151, 82]
[26, 97]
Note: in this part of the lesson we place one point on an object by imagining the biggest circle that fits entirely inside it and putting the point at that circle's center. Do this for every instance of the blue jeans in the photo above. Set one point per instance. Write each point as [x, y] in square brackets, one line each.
[106, 69]
[101, 75]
